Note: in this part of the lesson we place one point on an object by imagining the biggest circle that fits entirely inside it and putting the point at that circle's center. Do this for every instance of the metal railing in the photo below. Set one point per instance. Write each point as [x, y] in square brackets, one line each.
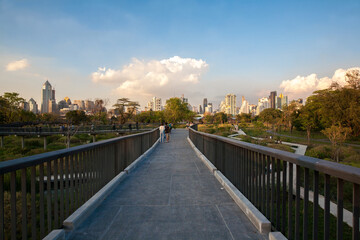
[39, 192]
[278, 184]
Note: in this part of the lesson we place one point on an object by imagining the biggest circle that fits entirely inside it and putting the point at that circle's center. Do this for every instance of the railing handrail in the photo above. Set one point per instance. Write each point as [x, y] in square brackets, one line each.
[19, 163]
[345, 172]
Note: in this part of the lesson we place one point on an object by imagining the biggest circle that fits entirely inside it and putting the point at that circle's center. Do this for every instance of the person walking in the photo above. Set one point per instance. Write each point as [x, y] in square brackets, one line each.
[162, 132]
[167, 132]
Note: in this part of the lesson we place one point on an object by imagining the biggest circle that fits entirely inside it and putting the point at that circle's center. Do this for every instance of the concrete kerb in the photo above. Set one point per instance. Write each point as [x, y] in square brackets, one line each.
[75, 219]
[262, 224]
[276, 236]
[134, 164]
[58, 234]
[207, 163]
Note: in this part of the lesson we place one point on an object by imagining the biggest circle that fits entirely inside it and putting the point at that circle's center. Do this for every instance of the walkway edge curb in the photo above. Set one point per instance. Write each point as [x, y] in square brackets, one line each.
[135, 163]
[55, 235]
[276, 236]
[262, 224]
[207, 163]
[75, 219]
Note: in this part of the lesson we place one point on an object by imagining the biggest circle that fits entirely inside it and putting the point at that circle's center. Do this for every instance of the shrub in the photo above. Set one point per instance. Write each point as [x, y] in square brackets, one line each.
[321, 152]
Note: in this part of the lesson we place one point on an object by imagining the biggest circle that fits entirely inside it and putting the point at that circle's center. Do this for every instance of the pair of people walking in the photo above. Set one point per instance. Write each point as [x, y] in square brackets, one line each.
[164, 132]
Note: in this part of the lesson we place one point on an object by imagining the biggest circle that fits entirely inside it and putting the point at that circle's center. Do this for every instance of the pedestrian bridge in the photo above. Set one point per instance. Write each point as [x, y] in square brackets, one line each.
[197, 186]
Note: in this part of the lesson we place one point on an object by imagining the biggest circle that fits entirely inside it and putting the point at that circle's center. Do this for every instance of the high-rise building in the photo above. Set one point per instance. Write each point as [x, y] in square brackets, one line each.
[80, 103]
[230, 104]
[200, 109]
[183, 99]
[89, 105]
[281, 101]
[263, 103]
[48, 103]
[205, 103]
[25, 106]
[244, 106]
[33, 107]
[154, 104]
[209, 108]
[272, 99]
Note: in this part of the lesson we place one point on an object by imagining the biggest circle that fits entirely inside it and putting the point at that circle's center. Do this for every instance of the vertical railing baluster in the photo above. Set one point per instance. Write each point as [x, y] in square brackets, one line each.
[48, 196]
[306, 204]
[256, 201]
[33, 202]
[263, 183]
[268, 184]
[72, 202]
[284, 192]
[61, 182]
[278, 197]
[356, 211]
[2, 212]
[81, 172]
[297, 204]
[340, 209]
[327, 208]
[56, 198]
[290, 202]
[316, 206]
[273, 169]
[76, 179]
[67, 185]
[23, 205]
[13, 204]
[42, 201]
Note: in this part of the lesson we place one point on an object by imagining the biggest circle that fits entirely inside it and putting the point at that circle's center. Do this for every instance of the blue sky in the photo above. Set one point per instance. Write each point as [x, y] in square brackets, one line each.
[250, 47]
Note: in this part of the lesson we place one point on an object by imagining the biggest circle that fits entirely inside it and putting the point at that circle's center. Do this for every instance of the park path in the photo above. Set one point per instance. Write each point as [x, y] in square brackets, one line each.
[171, 195]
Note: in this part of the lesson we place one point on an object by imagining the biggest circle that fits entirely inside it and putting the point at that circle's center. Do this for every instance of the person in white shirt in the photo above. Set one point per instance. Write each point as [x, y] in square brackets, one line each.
[162, 132]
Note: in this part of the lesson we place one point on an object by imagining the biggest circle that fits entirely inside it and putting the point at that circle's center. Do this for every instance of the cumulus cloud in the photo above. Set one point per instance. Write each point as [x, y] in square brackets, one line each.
[155, 77]
[17, 65]
[304, 86]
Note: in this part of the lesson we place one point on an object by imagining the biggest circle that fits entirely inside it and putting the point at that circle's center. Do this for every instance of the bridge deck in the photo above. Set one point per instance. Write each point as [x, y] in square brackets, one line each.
[171, 195]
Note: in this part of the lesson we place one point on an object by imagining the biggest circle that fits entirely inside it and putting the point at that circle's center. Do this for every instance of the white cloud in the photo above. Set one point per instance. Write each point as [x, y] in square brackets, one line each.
[304, 86]
[147, 78]
[17, 65]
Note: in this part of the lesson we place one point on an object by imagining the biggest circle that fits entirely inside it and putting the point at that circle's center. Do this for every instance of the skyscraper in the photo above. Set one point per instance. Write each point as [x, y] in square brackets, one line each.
[281, 101]
[204, 104]
[230, 104]
[33, 106]
[272, 99]
[47, 98]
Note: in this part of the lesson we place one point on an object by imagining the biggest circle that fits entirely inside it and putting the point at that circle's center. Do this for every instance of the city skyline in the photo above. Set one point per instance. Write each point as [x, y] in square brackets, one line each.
[202, 50]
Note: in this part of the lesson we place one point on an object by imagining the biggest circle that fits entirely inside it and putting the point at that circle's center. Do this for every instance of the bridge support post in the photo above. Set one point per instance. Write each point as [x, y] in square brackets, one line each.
[45, 143]
[22, 142]
[94, 137]
[2, 142]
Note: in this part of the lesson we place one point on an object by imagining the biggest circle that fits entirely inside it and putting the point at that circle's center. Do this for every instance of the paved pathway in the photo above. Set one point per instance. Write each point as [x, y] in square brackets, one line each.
[171, 195]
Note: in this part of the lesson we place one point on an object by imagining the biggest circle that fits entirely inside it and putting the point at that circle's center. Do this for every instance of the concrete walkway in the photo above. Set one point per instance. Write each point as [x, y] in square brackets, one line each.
[171, 195]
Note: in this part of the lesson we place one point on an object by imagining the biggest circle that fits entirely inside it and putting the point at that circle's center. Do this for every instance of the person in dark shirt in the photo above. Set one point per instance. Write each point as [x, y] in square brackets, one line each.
[167, 132]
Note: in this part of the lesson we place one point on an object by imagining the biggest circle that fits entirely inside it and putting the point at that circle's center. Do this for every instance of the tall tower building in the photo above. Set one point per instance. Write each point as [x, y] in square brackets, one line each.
[230, 103]
[47, 98]
[205, 104]
[272, 99]
[33, 107]
[200, 109]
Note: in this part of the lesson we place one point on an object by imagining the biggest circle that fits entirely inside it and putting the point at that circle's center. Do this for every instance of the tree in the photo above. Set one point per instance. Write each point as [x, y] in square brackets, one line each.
[220, 117]
[290, 114]
[126, 109]
[10, 107]
[270, 116]
[208, 118]
[76, 117]
[309, 117]
[176, 111]
[337, 135]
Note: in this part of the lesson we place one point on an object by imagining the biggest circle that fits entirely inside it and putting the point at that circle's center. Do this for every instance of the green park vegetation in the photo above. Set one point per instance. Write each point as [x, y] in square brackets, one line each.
[329, 123]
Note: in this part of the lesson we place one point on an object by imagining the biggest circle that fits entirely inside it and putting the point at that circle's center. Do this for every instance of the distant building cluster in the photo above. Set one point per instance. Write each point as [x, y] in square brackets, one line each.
[227, 106]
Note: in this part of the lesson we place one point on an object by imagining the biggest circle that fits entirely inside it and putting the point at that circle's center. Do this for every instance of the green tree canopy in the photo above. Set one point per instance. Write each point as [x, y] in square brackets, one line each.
[176, 111]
